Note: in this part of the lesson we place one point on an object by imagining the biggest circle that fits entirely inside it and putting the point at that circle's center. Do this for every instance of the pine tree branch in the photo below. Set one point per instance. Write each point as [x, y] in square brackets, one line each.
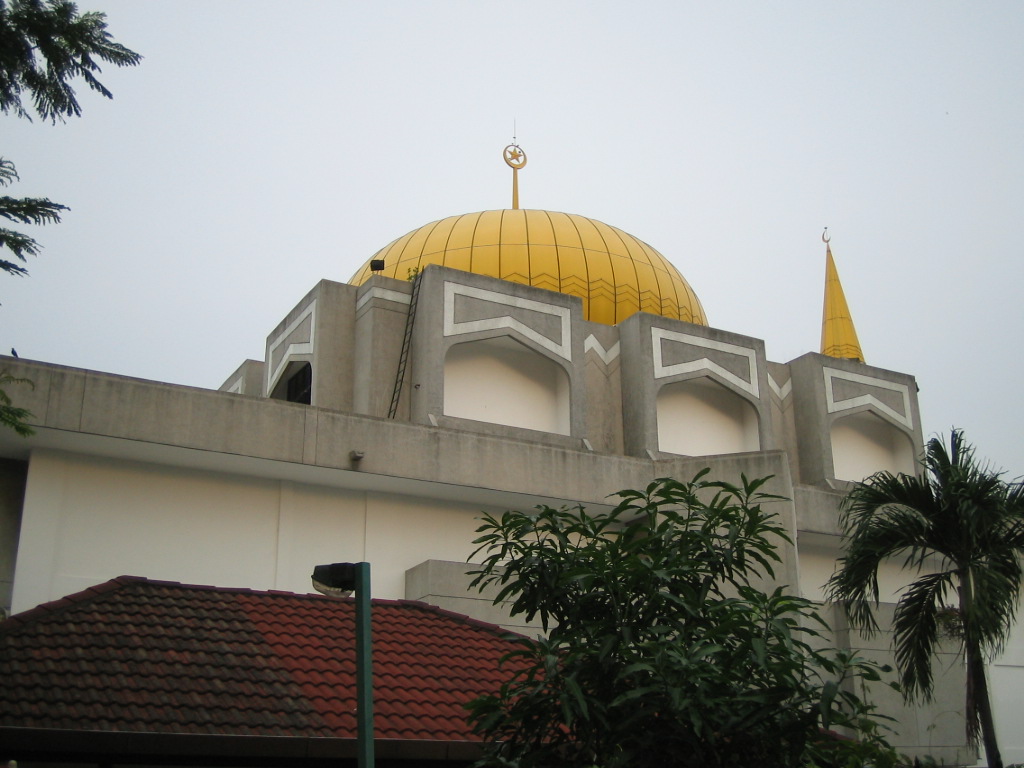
[31, 210]
[24, 210]
[44, 44]
[21, 246]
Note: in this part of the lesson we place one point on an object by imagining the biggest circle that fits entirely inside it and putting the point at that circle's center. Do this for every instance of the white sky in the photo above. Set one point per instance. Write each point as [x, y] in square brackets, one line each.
[262, 146]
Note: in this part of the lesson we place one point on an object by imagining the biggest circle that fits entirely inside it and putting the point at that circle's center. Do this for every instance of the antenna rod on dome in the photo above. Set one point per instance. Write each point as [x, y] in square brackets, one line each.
[515, 159]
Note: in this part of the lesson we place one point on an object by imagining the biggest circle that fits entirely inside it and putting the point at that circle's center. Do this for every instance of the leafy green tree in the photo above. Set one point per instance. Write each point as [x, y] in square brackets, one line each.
[960, 527]
[660, 649]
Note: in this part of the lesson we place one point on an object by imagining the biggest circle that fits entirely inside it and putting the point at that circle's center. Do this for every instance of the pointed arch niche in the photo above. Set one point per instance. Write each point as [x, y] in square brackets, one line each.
[863, 443]
[700, 417]
[296, 385]
[501, 381]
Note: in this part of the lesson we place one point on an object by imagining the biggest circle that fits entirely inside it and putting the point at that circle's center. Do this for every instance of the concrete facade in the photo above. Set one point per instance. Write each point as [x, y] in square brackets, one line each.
[509, 399]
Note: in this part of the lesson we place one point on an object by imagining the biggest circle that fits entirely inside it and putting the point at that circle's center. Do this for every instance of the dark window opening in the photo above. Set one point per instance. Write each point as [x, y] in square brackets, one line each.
[300, 385]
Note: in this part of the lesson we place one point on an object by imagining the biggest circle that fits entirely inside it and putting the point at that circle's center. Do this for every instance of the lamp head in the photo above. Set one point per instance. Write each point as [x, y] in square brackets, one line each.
[335, 579]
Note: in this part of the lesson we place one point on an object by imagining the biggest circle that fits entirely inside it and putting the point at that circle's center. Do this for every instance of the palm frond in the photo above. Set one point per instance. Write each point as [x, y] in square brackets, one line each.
[881, 519]
[916, 631]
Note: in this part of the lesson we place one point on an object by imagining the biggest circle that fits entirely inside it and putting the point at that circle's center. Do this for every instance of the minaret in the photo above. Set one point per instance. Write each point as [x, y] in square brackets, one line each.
[838, 336]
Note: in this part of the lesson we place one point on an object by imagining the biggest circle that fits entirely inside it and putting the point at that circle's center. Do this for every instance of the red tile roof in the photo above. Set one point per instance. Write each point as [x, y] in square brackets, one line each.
[134, 655]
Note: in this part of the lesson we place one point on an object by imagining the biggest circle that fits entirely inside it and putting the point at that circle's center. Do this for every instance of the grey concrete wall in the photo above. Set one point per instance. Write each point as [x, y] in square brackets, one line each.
[639, 417]
[128, 415]
[446, 585]
[247, 379]
[814, 414]
[602, 381]
[334, 357]
[780, 397]
[320, 330]
[292, 341]
[479, 308]
[382, 310]
[817, 510]
[641, 380]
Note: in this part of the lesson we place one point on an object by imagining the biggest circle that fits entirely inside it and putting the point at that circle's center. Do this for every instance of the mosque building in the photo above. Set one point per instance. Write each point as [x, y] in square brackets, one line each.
[486, 361]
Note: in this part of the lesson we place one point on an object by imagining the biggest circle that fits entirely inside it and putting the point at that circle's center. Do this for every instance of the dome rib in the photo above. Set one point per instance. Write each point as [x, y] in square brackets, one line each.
[526, 244]
[558, 252]
[586, 260]
[601, 288]
[473, 256]
[632, 297]
[448, 237]
[614, 273]
[543, 245]
[629, 248]
[514, 249]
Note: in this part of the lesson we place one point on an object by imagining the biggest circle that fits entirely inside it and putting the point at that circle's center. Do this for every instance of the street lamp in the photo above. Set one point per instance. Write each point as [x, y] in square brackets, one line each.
[340, 580]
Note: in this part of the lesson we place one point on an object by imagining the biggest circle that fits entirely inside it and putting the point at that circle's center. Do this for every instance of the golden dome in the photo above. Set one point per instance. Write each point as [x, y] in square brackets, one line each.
[614, 273]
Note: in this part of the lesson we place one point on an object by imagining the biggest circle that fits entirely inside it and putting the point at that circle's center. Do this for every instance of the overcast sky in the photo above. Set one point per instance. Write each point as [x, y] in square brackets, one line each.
[262, 146]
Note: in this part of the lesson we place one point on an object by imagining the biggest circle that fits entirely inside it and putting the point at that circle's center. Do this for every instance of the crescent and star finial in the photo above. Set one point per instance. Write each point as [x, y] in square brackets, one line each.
[825, 237]
[515, 159]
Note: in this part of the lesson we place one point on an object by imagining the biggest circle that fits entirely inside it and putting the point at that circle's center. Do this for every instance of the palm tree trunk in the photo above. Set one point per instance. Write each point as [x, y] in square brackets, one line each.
[983, 708]
[979, 707]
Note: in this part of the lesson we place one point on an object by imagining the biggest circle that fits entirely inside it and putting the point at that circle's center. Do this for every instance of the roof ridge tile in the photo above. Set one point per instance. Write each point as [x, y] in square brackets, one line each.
[490, 627]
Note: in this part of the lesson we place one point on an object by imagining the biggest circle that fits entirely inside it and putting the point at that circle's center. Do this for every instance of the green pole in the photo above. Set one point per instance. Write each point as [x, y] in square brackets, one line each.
[364, 668]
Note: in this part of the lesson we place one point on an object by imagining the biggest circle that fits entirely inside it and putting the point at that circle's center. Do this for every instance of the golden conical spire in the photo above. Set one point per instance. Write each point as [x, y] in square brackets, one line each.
[838, 336]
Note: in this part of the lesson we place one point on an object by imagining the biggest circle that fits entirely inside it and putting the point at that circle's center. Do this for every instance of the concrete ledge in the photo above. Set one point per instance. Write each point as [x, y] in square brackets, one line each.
[77, 410]
[817, 510]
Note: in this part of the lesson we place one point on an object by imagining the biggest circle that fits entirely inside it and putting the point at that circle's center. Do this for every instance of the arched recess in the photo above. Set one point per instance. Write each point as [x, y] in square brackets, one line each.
[863, 443]
[700, 417]
[501, 381]
[296, 384]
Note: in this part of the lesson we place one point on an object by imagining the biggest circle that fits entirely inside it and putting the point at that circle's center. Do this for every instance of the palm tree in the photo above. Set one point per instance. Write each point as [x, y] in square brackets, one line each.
[960, 527]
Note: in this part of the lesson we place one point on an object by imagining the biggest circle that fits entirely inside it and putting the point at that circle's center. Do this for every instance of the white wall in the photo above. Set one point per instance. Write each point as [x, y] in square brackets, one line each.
[863, 444]
[817, 564]
[702, 418]
[502, 382]
[816, 568]
[87, 520]
[1006, 684]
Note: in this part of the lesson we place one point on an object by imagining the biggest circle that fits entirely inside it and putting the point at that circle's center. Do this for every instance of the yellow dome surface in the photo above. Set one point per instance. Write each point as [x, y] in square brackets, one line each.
[614, 273]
